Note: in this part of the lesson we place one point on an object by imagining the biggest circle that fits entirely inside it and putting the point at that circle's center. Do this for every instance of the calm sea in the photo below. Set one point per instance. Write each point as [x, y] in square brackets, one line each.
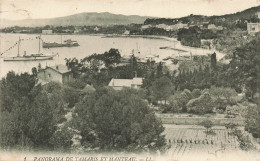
[88, 45]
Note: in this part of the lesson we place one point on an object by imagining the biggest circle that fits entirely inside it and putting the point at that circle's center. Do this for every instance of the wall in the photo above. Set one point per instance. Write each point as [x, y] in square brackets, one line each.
[54, 76]
[168, 119]
[66, 77]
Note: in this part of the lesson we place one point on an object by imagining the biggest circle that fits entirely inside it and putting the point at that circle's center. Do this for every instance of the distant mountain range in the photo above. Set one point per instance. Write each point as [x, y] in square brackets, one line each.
[106, 18]
[88, 19]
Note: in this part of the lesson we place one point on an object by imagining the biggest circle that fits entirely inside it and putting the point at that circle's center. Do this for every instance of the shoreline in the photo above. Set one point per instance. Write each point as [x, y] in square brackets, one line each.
[178, 44]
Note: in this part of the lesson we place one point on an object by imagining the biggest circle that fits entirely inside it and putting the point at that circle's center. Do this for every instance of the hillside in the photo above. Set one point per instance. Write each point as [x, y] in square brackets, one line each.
[224, 20]
[81, 19]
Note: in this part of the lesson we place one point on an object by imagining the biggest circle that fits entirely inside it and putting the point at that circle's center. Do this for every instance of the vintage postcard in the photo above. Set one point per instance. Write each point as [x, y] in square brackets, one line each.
[129, 80]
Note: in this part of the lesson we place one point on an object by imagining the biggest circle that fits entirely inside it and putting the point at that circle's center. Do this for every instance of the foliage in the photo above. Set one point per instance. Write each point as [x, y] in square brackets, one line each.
[246, 66]
[61, 140]
[161, 88]
[70, 96]
[231, 127]
[174, 104]
[238, 109]
[109, 58]
[208, 124]
[13, 88]
[196, 93]
[118, 120]
[253, 120]
[189, 37]
[223, 96]
[244, 140]
[202, 105]
[32, 118]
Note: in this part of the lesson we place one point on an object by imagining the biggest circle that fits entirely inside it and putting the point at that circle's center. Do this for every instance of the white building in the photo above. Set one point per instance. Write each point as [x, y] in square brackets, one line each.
[145, 27]
[253, 28]
[181, 25]
[118, 84]
[258, 14]
[59, 73]
[46, 32]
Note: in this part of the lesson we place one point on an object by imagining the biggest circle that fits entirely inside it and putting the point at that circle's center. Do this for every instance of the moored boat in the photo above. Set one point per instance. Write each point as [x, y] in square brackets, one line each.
[67, 43]
[32, 57]
[28, 58]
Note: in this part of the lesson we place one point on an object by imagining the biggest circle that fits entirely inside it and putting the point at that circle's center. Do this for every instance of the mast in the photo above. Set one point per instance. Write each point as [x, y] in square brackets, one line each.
[19, 47]
[39, 45]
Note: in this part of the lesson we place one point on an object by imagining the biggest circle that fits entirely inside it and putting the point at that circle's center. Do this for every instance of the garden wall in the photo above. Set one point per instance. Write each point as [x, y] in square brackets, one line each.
[169, 119]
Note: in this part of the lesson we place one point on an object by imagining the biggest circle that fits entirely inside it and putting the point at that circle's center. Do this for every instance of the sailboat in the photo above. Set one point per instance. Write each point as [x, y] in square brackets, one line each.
[32, 57]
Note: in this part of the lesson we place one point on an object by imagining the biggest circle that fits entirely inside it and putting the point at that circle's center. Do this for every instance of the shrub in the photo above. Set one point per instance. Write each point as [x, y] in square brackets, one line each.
[202, 105]
[196, 93]
[174, 105]
[238, 109]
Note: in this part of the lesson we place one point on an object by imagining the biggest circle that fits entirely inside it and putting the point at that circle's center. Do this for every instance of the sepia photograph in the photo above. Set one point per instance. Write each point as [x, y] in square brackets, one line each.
[130, 80]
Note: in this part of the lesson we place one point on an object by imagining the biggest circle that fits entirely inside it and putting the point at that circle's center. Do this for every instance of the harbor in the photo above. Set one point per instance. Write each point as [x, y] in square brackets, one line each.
[90, 44]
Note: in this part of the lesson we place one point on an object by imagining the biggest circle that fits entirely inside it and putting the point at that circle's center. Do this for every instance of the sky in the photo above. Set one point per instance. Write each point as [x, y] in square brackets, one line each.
[34, 9]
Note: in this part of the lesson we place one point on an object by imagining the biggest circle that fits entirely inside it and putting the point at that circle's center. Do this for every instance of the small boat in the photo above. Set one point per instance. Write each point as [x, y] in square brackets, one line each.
[32, 57]
[67, 43]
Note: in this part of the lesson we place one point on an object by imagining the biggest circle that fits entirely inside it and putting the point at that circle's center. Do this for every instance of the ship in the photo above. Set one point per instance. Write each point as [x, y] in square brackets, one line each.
[66, 43]
[32, 57]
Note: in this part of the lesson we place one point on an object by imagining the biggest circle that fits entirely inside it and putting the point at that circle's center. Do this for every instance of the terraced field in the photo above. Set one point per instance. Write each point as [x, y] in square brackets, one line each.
[191, 140]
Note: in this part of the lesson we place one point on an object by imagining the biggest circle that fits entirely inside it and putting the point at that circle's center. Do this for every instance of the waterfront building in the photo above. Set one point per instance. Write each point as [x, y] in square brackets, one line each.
[59, 73]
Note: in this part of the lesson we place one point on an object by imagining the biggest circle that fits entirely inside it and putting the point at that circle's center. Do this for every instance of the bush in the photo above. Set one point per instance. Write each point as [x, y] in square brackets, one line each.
[196, 93]
[220, 104]
[238, 109]
[182, 99]
[202, 105]
[174, 105]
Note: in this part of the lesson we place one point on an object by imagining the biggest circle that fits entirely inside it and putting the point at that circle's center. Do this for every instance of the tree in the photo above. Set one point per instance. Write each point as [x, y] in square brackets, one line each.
[174, 104]
[183, 98]
[253, 120]
[223, 93]
[230, 127]
[112, 57]
[213, 61]
[245, 66]
[117, 121]
[207, 124]
[202, 105]
[162, 88]
[34, 71]
[13, 87]
[32, 118]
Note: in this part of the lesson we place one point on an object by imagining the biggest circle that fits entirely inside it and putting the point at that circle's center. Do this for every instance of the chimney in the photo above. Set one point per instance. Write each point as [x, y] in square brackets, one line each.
[57, 67]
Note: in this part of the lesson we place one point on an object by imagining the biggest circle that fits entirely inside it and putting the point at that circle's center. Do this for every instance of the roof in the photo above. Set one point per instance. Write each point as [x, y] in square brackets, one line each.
[60, 68]
[125, 82]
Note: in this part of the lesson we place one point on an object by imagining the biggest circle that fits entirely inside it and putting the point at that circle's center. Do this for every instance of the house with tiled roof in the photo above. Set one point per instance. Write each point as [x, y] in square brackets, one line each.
[58, 73]
[118, 84]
